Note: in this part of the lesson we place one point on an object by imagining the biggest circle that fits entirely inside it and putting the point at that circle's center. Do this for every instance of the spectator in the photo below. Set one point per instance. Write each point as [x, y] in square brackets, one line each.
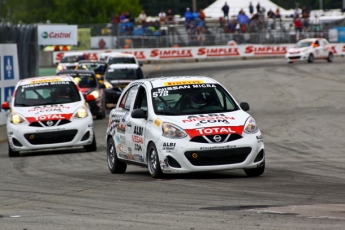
[115, 19]
[225, 10]
[242, 18]
[298, 27]
[202, 15]
[270, 14]
[305, 12]
[297, 12]
[277, 15]
[189, 17]
[128, 17]
[251, 8]
[258, 8]
[122, 17]
[142, 17]
[231, 26]
[162, 17]
[170, 17]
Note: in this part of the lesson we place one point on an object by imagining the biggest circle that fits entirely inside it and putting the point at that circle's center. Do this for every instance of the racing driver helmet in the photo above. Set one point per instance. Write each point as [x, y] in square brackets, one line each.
[198, 100]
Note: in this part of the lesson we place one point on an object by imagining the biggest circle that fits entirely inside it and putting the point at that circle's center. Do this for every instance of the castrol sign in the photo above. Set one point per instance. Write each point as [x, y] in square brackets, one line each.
[57, 35]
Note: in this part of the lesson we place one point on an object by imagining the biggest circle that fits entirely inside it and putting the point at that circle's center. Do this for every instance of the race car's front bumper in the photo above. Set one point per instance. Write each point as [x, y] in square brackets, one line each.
[22, 137]
[183, 156]
[296, 57]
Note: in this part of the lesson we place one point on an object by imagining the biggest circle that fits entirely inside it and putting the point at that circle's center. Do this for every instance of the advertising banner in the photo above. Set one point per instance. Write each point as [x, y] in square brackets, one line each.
[9, 75]
[203, 52]
[57, 34]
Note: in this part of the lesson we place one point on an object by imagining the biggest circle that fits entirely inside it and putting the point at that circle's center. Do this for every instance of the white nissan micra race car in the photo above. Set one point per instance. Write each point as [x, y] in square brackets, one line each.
[182, 125]
[309, 50]
[48, 112]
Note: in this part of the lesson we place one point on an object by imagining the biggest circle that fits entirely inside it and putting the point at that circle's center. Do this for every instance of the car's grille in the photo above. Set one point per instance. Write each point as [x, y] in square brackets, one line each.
[71, 67]
[51, 137]
[294, 57]
[49, 123]
[218, 157]
[222, 138]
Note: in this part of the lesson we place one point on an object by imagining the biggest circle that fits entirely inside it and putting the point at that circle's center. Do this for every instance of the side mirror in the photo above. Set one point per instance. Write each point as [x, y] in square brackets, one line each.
[138, 113]
[90, 97]
[244, 106]
[5, 105]
[102, 86]
[141, 64]
[101, 77]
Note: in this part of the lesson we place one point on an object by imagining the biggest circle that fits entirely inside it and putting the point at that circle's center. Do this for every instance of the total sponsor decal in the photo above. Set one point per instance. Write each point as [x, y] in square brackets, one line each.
[137, 139]
[171, 53]
[172, 83]
[49, 117]
[215, 130]
[218, 52]
[266, 50]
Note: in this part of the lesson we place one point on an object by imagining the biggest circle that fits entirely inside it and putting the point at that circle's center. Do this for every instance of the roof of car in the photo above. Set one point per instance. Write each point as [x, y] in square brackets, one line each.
[119, 54]
[92, 61]
[75, 72]
[180, 80]
[37, 80]
[73, 53]
[123, 66]
[310, 39]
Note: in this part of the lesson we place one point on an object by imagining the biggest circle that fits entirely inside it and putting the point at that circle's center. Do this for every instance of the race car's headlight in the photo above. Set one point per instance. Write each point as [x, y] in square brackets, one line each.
[81, 113]
[60, 67]
[17, 119]
[250, 126]
[173, 131]
[95, 93]
[108, 85]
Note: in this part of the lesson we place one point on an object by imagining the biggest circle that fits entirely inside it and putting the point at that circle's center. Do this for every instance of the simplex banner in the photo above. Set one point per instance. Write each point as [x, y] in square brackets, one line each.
[202, 52]
[9, 75]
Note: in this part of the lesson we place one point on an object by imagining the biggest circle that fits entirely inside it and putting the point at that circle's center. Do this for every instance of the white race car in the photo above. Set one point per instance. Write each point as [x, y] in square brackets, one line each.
[309, 50]
[70, 60]
[182, 125]
[48, 112]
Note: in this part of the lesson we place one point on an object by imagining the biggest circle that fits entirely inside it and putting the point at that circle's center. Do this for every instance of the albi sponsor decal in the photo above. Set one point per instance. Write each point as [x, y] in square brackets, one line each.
[212, 118]
[215, 130]
[172, 53]
[218, 52]
[51, 117]
[169, 146]
[266, 50]
[48, 108]
[138, 130]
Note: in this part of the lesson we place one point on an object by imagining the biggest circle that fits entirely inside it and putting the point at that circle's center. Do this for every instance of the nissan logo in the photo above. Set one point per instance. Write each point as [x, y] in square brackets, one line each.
[50, 123]
[217, 138]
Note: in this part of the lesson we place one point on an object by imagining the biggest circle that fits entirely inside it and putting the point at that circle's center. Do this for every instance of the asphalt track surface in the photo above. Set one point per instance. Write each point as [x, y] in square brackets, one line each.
[300, 111]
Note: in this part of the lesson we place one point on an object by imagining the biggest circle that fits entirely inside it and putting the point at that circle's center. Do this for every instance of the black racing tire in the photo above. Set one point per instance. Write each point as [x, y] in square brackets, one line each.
[255, 172]
[330, 57]
[153, 162]
[91, 147]
[311, 58]
[114, 164]
[12, 153]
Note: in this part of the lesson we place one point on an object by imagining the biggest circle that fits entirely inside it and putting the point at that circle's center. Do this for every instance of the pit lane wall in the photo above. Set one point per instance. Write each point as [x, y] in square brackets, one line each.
[203, 52]
[9, 75]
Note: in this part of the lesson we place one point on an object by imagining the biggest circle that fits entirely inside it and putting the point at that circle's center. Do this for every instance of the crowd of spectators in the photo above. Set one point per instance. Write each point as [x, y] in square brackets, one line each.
[301, 21]
[195, 26]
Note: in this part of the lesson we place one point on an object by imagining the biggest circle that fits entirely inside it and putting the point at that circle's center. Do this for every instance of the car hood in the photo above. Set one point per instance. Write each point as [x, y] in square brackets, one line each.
[209, 124]
[293, 50]
[116, 83]
[48, 112]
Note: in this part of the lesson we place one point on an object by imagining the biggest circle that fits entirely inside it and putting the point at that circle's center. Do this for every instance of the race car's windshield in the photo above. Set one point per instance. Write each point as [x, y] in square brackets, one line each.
[46, 93]
[302, 44]
[121, 60]
[192, 99]
[130, 73]
[98, 68]
[72, 59]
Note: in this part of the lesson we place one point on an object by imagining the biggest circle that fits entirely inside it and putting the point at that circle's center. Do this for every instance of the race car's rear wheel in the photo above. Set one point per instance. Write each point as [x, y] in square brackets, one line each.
[330, 57]
[311, 58]
[153, 162]
[114, 164]
[91, 147]
[12, 153]
[255, 172]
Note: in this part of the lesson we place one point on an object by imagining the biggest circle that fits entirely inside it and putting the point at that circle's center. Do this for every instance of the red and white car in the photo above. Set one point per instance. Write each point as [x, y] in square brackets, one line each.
[48, 112]
[182, 125]
[310, 49]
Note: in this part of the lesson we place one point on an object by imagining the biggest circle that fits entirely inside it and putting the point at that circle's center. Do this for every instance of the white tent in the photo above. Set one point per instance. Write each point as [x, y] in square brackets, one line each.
[215, 9]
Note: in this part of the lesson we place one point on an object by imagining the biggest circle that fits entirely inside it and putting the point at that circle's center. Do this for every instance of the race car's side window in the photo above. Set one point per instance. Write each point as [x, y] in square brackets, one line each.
[128, 97]
[141, 100]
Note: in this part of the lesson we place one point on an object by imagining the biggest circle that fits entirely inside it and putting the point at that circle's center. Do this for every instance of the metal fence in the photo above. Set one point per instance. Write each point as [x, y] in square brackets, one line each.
[25, 36]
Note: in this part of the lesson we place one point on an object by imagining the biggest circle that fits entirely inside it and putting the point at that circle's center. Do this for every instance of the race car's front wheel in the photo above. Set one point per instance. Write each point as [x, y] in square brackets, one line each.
[330, 57]
[114, 164]
[255, 172]
[12, 153]
[91, 147]
[153, 162]
[311, 58]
